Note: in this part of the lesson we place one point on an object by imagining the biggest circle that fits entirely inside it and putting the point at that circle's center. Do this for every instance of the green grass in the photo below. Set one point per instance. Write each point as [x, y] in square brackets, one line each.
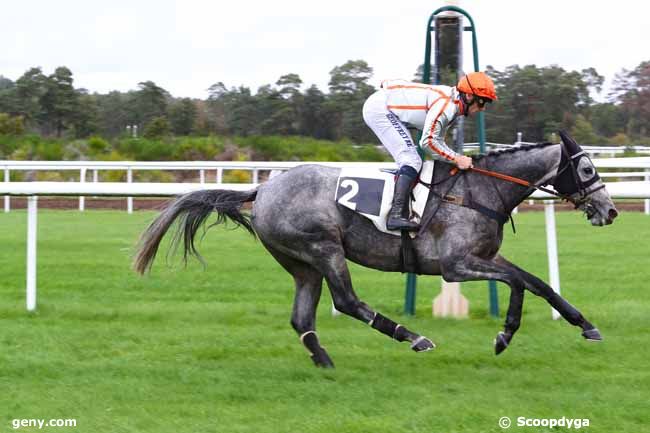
[193, 350]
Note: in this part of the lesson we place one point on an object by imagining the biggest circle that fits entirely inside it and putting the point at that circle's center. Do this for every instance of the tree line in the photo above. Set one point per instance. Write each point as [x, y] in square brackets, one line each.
[536, 101]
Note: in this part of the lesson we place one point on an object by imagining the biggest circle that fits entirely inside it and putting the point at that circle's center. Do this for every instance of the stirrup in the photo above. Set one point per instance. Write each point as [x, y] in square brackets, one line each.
[401, 224]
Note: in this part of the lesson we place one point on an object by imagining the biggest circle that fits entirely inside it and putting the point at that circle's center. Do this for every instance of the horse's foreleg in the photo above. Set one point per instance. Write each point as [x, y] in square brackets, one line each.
[476, 268]
[513, 320]
[336, 272]
[566, 310]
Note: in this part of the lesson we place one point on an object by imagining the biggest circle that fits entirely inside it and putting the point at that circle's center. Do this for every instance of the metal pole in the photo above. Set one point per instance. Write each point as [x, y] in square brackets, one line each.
[202, 176]
[219, 178]
[32, 203]
[426, 78]
[551, 248]
[411, 288]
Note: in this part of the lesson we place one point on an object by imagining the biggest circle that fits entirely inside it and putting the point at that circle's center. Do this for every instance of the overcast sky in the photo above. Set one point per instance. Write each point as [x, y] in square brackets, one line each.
[185, 46]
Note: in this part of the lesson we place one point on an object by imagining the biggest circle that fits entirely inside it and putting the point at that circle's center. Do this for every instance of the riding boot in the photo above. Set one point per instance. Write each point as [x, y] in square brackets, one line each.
[398, 217]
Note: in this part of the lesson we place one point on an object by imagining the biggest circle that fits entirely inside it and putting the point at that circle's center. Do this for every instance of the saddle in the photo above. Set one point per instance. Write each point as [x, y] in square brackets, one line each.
[369, 192]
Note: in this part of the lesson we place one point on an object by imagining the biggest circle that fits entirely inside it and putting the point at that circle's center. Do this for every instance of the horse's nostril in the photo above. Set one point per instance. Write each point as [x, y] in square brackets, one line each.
[613, 213]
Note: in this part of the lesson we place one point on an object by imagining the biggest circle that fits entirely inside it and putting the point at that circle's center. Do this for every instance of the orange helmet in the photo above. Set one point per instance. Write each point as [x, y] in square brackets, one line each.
[479, 84]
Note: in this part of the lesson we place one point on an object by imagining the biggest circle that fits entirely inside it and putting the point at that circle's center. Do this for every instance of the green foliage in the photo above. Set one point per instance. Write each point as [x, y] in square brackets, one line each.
[607, 119]
[150, 102]
[158, 127]
[349, 90]
[11, 125]
[237, 176]
[85, 120]
[59, 103]
[536, 101]
[351, 78]
[182, 116]
[98, 145]
[9, 144]
[632, 92]
[197, 148]
[619, 139]
[142, 149]
[583, 132]
[295, 148]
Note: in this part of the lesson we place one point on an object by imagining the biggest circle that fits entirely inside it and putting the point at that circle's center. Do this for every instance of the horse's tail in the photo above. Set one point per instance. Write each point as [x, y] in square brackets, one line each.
[193, 209]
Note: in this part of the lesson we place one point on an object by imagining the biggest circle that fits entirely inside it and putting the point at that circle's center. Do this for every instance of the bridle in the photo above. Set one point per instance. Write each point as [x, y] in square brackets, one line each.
[567, 182]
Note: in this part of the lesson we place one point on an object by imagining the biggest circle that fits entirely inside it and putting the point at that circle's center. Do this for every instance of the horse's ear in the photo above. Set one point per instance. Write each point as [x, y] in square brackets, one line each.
[569, 143]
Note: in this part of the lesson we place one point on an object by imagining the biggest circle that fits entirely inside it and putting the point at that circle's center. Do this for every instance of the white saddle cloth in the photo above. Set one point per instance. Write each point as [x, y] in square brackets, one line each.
[369, 192]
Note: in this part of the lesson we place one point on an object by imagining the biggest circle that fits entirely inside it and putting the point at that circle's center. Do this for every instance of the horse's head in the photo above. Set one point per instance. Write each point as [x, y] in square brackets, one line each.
[578, 180]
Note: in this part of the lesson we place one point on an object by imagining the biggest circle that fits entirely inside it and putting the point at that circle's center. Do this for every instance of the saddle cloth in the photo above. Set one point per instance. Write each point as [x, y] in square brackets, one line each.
[369, 192]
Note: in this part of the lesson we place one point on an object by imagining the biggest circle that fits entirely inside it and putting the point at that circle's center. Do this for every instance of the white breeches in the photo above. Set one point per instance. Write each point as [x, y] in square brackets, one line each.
[391, 131]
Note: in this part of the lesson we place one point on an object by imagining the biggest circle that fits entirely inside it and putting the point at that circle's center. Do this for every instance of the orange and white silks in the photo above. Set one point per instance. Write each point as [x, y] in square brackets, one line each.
[432, 109]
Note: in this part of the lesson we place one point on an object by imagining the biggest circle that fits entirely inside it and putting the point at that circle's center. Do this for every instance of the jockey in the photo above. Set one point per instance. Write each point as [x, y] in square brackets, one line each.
[431, 109]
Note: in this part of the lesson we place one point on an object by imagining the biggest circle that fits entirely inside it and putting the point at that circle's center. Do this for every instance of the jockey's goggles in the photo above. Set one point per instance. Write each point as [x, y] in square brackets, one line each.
[480, 101]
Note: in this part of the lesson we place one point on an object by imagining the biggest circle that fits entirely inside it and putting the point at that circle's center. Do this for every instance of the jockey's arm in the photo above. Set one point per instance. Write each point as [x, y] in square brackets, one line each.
[433, 134]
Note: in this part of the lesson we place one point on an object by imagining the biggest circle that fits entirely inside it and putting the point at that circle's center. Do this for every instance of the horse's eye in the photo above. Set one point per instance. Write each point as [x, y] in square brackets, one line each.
[588, 170]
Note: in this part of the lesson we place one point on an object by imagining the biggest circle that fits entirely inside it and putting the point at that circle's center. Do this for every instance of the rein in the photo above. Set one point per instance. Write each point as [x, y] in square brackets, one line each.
[528, 184]
[570, 159]
[522, 182]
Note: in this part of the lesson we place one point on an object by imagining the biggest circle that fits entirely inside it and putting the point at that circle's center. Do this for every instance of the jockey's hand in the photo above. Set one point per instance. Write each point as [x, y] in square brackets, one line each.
[463, 162]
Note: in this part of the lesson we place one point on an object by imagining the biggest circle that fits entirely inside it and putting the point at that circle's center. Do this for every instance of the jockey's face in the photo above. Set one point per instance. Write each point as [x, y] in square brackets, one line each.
[476, 104]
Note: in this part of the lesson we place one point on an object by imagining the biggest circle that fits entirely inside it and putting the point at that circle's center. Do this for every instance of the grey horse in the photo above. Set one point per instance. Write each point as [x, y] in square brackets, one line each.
[295, 217]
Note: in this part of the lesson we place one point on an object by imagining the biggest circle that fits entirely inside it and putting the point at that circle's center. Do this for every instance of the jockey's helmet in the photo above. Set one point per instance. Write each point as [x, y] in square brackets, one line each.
[479, 84]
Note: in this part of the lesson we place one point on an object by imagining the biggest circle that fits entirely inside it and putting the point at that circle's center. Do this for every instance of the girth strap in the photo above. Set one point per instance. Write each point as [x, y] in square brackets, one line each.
[467, 202]
[408, 256]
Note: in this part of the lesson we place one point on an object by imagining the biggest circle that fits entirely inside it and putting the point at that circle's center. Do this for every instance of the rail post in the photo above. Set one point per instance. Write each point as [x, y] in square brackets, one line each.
[551, 248]
[129, 179]
[82, 179]
[7, 199]
[32, 227]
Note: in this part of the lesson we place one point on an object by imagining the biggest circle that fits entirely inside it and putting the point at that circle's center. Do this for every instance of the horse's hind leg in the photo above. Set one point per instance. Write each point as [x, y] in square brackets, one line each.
[333, 266]
[309, 283]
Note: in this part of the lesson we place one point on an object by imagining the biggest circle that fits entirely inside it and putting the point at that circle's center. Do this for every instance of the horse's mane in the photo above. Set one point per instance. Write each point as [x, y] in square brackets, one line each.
[497, 153]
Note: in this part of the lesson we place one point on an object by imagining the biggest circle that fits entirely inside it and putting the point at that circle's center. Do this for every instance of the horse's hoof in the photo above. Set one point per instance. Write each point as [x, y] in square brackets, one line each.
[422, 344]
[322, 359]
[501, 342]
[592, 335]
